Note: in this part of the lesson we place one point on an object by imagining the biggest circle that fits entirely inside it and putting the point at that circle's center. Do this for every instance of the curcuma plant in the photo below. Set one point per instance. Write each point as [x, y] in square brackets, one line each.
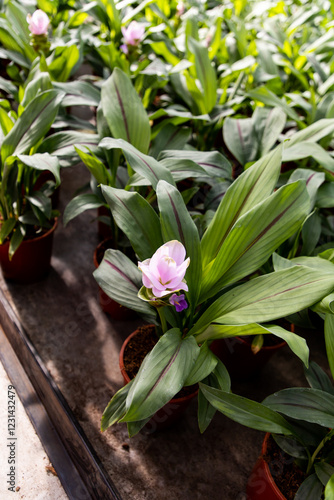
[216, 300]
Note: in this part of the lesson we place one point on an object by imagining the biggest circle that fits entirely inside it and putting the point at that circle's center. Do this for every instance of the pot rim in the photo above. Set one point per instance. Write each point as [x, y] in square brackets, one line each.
[269, 477]
[126, 376]
[33, 240]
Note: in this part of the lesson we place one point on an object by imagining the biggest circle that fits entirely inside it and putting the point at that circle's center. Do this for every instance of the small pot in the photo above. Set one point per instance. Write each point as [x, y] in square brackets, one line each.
[31, 261]
[172, 411]
[114, 309]
[261, 484]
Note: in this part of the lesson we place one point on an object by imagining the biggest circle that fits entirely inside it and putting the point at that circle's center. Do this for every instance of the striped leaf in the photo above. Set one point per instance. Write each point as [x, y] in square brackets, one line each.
[146, 166]
[252, 187]
[161, 375]
[255, 236]
[267, 297]
[136, 218]
[124, 111]
[120, 279]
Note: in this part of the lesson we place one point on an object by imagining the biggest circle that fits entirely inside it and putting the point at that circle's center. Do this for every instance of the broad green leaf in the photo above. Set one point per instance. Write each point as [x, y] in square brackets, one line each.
[310, 489]
[177, 224]
[303, 403]
[5, 122]
[250, 188]
[136, 218]
[324, 471]
[305, 149]
[205, 73]
[6, 228]
[318, 379]
[246, 412]
[267, 297]
[329, 339]
[213, 163]
[43, 162]
[115, 409]
[312, 133]
[80, 204]
[124, 111]
[65, 58]
[170, 137]
[161, 375]
[313, 181]
[204, 365]
[94, 165]
[264, 95]
[16, 240]
[268, 124]
[296, 343]
[120, 279]
[32, 125]
[40, 83]
[329, 490]
[255, 236]
[78, 93]
[62, 143]
[145, 165]
[240, 138]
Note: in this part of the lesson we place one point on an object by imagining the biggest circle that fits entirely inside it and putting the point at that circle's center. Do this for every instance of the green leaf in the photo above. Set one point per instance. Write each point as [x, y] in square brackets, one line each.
[62, 143]
[264, 95]
[329, 339]
[267, 297]
[137, 219]
[324, 471]
[205, 73]
[65, 59]
[124, 111]
[246, 412]
[78, 93]
[161, 375]
[16, 240]
[115, 409]
[250, 188]
[310, 489]
[145, 165]
[311, 405]
[312, 133]
[94, 165]
[297, 344]
[120, 279]
[204, 365]
[177, 224]
[255, 236]
[32, 125]
[212, 163]
[7, 227]
[80, 204]
[43, 162]
[329, 490]
[5, 122]
[240, 138]
[318, 379]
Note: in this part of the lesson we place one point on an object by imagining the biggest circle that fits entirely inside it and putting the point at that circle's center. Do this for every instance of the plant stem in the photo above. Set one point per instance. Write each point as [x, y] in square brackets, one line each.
[162, 319]
[319, 447]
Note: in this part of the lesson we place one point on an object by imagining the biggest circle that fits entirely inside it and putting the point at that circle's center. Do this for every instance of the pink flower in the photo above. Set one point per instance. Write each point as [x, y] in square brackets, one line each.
[164, 272]
[178, 301]
[38, 22]
[134, 33]
[180, 8]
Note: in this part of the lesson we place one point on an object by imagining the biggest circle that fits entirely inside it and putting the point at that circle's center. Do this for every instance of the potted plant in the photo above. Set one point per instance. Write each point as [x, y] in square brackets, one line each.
[27, 218]
[297, 459]
[250, 223]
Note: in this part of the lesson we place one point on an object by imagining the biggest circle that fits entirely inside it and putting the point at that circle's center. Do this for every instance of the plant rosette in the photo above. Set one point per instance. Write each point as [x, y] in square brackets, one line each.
[133, 351]
[191, 288]
[32, 260]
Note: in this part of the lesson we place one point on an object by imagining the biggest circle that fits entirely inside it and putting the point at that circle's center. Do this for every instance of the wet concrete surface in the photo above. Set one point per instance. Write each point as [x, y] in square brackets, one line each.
[79, 344]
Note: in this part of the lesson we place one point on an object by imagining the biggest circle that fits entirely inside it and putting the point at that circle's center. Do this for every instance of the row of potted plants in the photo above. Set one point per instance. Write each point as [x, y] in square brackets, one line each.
[210, 148]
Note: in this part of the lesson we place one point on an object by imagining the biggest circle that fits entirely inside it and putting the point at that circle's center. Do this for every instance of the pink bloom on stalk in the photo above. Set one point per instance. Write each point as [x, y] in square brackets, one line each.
[180, 8]
[38, 22]
[178, 301]
[164, 272]
[134, 33]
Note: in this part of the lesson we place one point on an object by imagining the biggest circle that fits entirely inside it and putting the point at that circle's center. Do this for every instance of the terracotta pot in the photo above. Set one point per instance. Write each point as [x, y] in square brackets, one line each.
[238, 357]
[114, 309]
[261, 485]
[31, 261]
[169, 413]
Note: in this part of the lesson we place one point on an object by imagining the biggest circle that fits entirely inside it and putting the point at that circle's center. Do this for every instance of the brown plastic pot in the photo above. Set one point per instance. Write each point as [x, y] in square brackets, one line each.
[261, 484]
[237, 355]
[114, 309]
[168, 414]
[32, 260]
